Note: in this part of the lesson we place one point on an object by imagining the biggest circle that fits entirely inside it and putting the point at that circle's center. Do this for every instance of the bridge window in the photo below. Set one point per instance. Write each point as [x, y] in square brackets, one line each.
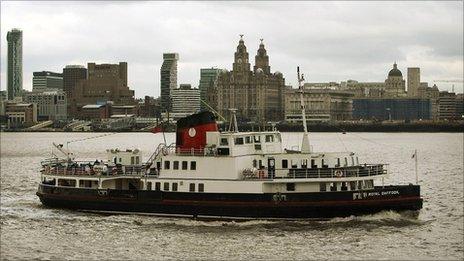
[193, 165]
[284, 164]
[175, 165]
[322, 186]
[157, 186]
[338, 163]
[294, 164]
[357, 161]
[192, 187]
[166, 164]
[346, 162]
[269, 138]
[166, 186]
[239, 141]
[255, 163]
[174, 186]
[201, 187]
[224, 142]
[290, 186]
[137, 160]
[257, 139]
[148, 185]
[184, 165]
[352, 161]
[248, 140]
[132, 160]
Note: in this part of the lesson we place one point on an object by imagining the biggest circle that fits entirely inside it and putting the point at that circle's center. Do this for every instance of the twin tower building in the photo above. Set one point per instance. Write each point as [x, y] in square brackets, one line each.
[257, 95]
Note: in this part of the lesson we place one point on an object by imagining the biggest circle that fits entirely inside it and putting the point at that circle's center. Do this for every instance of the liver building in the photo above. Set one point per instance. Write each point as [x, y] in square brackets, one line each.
[257, 95]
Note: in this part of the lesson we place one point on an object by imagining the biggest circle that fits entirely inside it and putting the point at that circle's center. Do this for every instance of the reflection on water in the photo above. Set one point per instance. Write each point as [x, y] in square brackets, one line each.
[29, 230]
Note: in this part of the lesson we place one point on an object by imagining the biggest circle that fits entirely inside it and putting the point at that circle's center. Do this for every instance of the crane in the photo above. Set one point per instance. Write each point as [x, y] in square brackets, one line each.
[451, 81]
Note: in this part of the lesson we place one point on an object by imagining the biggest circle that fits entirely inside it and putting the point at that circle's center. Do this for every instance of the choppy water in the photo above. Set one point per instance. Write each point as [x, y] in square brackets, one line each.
[30, 231]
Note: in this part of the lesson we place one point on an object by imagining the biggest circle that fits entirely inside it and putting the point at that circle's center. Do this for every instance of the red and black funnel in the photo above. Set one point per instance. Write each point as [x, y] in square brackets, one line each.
[191, 131]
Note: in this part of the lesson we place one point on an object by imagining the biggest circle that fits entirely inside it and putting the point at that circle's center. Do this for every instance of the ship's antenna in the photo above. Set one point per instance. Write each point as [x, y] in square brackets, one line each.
[305, 147]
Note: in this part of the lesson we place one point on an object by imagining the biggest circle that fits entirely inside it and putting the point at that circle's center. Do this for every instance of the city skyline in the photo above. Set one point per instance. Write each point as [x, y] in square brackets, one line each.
[333, 41]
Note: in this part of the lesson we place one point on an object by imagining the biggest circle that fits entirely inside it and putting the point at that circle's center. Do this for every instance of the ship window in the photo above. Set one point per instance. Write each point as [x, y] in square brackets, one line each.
[369, 183]
[149, 186]
[294, 164]
[166, 164]
[346, 162]
[193, 165]
[224, 142]
[137, 160]
[290, 186]
[352, 161]
[333, 186]
[304, 163]
[338, 162]
[132, 160]
[313, 164]
[269, 138]
[357, 161]
[157, 186]
[261, 164]
[175, 165]
[322, 186]
[344, 187]
[360, 184]
[257, 139]
[352, 185]
[174, 186]
[184, 165]
[239, 141]
[120, 159]
[255, 163]
[192, 187]
[166, 186]
[248, 140]
[201, 187]
[284, 164]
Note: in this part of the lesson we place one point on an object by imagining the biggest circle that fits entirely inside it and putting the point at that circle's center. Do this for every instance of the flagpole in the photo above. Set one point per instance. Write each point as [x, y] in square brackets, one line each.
[415, 158]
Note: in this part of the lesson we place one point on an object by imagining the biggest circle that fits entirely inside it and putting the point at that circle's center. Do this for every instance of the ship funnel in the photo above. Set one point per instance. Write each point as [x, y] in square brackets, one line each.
[191, 131]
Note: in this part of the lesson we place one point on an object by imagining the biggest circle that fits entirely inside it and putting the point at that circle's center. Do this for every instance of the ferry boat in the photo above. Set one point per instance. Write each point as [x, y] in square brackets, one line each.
[212, 174]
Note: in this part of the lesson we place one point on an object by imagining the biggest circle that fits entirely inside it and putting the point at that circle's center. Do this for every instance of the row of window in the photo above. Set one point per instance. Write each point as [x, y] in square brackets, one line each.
[247, 140]
[175, 165]
[304, 163]
[334, 186]
[174, 186]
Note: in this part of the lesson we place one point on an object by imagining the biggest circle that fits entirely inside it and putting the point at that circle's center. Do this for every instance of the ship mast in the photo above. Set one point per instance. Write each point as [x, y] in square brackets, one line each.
[305, 147]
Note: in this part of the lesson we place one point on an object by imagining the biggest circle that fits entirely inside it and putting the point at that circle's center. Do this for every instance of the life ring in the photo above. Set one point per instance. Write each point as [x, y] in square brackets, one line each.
[338, 173]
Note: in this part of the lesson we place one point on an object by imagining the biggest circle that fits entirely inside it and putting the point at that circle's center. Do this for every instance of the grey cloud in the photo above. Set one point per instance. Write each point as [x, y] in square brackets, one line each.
[332, 41]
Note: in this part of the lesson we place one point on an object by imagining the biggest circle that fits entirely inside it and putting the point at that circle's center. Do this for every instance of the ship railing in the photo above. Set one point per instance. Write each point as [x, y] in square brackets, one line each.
[87, 168]
[365, 170]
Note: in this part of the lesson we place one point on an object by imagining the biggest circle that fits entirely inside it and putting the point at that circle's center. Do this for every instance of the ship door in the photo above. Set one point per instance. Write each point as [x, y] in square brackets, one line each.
[271, 167]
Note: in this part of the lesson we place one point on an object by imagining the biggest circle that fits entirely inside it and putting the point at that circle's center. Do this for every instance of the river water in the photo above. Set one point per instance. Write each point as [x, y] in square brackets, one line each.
[31, 231]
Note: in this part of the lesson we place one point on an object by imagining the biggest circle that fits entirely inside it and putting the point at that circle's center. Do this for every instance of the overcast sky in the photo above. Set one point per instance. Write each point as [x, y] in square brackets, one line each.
[330, 41]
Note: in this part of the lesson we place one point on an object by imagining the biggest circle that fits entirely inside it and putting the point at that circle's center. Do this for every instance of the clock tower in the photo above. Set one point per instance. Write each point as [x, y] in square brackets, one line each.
[241, 63]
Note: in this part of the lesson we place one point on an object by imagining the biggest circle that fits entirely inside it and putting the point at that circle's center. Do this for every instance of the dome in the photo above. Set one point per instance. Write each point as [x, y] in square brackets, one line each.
[395, 71]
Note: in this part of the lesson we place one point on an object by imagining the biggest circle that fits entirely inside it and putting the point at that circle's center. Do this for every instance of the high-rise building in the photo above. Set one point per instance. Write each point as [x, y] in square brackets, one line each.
[168, 79]
[105, 83]
[208, 82]
[185, 99]
[72, 74]
[413, 81]
[257, 95]
[46, 81]
[394, 84]
[447, 106]
[15, 63]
